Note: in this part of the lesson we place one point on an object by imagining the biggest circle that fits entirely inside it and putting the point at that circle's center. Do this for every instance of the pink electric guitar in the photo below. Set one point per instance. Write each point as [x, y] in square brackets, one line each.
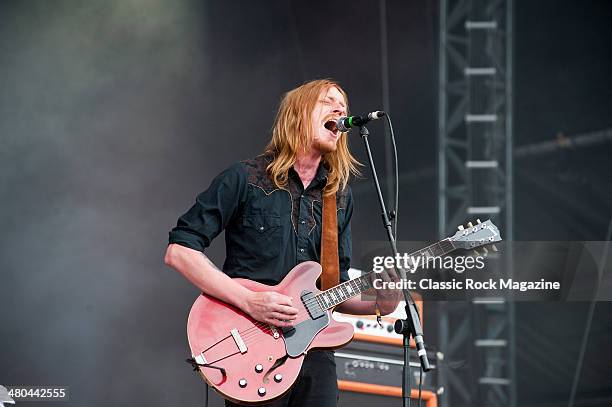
[250, 362]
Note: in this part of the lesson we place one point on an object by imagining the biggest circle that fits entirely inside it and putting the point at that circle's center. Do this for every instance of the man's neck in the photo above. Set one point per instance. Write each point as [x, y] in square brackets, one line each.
[306, 166]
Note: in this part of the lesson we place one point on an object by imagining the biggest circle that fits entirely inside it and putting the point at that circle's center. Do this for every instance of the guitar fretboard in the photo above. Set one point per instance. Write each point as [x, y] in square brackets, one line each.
[344, 291]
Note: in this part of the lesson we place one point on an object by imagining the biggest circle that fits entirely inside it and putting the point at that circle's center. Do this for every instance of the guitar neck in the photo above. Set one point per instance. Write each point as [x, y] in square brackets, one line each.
[349, 289]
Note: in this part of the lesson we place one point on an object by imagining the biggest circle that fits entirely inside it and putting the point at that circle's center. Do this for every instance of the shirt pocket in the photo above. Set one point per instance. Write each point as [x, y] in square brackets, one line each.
[264, 224]
[263, 233]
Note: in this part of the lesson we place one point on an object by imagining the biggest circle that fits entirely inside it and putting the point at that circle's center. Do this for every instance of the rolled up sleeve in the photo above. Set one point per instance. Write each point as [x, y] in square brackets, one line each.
[212, 211]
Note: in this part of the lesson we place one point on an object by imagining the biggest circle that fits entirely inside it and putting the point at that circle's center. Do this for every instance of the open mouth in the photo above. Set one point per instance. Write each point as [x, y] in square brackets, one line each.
[331, 126]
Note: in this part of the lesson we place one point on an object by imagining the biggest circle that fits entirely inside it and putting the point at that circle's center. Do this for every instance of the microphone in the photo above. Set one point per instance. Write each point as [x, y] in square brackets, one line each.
[345, 123]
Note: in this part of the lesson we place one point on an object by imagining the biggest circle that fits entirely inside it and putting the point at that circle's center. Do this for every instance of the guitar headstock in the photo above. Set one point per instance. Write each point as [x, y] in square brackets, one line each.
[474, 236]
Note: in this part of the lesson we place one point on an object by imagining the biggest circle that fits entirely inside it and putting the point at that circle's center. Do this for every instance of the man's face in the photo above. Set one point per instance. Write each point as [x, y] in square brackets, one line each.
[329, 108]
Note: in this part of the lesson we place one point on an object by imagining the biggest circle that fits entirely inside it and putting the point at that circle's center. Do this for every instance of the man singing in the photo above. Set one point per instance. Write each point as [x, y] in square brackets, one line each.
[271, 210]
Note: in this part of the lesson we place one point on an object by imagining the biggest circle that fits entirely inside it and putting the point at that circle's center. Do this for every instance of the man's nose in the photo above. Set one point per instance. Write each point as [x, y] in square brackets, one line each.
[339, 109]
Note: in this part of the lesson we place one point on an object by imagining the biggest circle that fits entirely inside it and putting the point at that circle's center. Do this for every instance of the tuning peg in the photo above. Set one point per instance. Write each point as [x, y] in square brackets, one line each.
[478, 221]
[470, 224]
[484, 249]
[494, 247]
[476, 253]
[460, 227]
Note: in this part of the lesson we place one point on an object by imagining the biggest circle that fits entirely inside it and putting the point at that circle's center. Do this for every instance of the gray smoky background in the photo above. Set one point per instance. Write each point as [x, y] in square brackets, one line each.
[114, 115]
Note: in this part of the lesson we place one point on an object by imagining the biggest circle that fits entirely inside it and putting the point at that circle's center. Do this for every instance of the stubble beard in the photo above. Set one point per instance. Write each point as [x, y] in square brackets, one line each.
[325, 146]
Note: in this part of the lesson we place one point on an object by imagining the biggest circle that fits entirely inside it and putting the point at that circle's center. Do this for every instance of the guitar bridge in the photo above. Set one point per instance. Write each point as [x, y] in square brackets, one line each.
[239, 342]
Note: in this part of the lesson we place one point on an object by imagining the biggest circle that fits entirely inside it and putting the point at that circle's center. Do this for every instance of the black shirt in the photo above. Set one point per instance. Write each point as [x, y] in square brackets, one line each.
[268, 230]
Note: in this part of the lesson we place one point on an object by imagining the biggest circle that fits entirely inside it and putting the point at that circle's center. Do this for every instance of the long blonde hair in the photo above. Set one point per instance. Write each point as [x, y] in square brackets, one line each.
[292, 133]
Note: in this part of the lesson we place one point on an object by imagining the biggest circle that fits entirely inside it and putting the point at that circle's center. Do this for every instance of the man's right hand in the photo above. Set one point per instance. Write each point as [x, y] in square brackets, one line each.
[271, 307]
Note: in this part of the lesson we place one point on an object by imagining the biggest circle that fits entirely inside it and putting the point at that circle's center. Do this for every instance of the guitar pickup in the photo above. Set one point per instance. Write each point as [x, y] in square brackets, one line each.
[312, 306]
[239, 342]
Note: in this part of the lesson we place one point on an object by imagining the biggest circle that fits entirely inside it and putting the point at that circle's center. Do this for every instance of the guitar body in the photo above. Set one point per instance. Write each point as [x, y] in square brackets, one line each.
[249, 361]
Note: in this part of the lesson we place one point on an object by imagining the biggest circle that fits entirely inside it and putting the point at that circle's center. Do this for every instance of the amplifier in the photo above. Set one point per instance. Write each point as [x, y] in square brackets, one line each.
[358, 398]
[377, 368]
[368, 330]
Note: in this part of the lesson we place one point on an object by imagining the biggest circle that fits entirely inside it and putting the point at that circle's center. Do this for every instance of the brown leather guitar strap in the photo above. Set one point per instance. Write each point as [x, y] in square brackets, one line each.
[329, 244]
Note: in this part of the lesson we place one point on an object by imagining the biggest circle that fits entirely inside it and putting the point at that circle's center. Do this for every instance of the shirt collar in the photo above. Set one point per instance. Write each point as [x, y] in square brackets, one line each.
[322, 172]
[320, 176]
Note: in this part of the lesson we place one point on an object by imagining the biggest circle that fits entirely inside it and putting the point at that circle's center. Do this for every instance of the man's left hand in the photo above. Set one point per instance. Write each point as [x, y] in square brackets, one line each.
[388, 299]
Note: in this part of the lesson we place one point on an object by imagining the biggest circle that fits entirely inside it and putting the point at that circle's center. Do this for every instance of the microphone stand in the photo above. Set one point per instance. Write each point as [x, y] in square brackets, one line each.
[411, 326]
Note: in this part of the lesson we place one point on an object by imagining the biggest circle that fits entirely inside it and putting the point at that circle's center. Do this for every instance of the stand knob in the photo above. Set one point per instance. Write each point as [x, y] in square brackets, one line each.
[401, 327]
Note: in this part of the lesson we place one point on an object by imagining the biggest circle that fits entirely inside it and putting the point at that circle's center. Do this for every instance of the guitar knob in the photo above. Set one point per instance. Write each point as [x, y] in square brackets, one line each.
[278, 377]
[259, 369]
[261, 391]
[242, 383]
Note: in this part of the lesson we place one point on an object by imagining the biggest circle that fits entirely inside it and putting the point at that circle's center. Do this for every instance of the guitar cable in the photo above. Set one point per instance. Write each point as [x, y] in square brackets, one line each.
[196, 367]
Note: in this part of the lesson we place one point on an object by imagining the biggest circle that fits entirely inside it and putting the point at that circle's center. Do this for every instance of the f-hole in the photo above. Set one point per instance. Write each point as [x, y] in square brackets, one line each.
[279, 362]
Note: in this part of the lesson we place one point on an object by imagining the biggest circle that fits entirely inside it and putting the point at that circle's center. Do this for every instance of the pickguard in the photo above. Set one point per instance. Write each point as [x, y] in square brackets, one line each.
[299, 336]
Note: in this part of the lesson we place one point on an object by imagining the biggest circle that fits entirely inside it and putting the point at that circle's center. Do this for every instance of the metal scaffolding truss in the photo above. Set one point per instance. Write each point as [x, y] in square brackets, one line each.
[475, 181]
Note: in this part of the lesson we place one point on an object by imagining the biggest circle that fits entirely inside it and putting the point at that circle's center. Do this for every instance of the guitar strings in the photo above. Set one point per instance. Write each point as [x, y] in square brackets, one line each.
[262, 328]
[251, 335]
[259, 331]
[315, 300]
